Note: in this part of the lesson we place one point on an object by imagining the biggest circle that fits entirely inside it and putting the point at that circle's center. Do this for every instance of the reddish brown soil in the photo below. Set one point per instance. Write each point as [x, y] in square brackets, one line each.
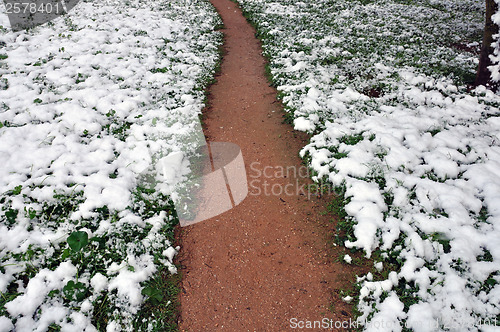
[271, 258]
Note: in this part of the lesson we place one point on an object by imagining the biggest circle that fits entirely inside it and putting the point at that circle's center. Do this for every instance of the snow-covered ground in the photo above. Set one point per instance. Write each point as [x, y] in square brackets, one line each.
[381, 85]
[87, 103]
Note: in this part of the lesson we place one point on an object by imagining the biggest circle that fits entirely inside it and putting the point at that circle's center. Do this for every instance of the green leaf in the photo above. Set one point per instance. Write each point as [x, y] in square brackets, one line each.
[29, 254]
[77, 240]
[65, 254]
[491, 282]
[31, 213]
[154, 294]
[17, 190]
[100, 240]
[11, 215]
[74, 291]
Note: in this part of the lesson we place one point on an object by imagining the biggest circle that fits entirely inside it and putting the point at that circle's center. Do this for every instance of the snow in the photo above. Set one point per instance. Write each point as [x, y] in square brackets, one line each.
[99, 282]
[388, 317]
[38, 287]
[303, 124]
[495, 58]
[5, 324]
[126, 284]
[170, 253]
[94, 106]
[418, 163]
[347, 299]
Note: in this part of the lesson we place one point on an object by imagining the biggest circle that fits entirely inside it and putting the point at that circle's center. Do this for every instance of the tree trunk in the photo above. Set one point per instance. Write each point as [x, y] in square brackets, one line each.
[483, 76]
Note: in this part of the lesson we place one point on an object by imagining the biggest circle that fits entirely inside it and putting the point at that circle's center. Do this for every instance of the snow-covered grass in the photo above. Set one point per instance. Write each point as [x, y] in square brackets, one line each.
[87, 103]
[382, 87]
[495, 58]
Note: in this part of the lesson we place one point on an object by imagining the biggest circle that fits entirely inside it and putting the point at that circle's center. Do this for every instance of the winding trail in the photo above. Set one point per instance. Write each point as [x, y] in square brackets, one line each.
[270, 259]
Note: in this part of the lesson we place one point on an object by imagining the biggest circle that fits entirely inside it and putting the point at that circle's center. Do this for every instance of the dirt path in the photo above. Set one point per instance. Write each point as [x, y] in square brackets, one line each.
[269, 259]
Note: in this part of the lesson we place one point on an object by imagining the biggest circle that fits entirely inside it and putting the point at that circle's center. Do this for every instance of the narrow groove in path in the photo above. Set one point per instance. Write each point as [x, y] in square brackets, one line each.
[269, 259]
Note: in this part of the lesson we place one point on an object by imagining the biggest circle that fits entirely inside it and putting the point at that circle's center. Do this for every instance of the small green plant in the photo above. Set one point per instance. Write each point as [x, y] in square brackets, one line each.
[161, 294]
[116, 126]
[483, 215]
[443, 240]
[351, 139]
[75, 291]
[434, 131]
[486, 256]
[78, 240]
[490, 282]
[154, 295]
[340, 155]
[11, 216]
[160, 70]
[80, 78]
[4, 84]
